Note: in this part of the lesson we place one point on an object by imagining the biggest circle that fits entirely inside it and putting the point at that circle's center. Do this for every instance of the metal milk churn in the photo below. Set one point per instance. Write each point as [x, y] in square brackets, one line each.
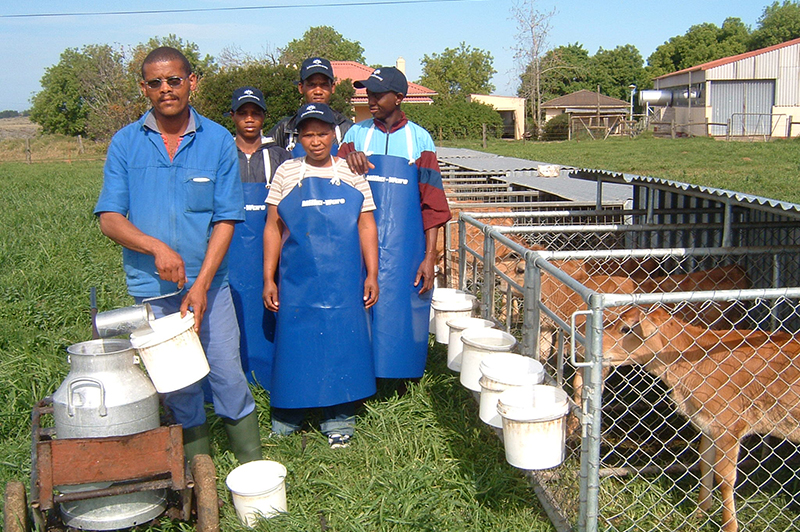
[106, 394]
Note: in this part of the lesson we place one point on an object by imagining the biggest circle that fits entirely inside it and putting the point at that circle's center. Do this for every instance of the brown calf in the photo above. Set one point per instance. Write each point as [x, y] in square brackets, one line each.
[728, 383]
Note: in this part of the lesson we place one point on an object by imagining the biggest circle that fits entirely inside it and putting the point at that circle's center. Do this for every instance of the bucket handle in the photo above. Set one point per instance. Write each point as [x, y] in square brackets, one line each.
[573, 335]
[86, 380]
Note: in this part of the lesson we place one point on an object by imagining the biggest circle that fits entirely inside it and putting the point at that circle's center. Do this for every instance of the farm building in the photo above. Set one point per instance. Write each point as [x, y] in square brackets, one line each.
[356, 71]
[752, 94]
[589, 111]
[511, 109]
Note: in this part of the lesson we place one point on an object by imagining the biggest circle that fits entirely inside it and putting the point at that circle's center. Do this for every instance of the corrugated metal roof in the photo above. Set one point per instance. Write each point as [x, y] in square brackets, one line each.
[731, 59]
[718, 194]
[524, 173]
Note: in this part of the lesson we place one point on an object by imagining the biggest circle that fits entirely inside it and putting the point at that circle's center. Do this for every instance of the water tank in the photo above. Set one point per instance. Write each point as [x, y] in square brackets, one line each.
[655, 97]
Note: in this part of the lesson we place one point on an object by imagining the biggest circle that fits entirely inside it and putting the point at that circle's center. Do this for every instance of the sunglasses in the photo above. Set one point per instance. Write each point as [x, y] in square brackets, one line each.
[172, 81]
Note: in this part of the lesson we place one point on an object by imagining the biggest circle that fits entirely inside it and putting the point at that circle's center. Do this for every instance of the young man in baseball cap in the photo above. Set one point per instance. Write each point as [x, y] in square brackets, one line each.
[411, 206]
[316, 85]
[258, 160]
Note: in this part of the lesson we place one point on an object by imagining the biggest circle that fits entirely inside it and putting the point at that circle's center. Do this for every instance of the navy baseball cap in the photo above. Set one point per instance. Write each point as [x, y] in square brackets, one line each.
[384, 79]
[320, 111]
[244, 95]
[316, 65]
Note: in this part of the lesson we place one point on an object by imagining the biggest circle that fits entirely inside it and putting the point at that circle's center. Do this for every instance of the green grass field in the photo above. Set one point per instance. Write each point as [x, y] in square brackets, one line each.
[422, 461]
[769, 169]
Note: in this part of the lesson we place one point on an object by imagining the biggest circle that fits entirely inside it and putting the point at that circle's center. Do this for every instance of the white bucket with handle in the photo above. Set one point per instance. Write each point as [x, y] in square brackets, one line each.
[454, 344]
[258, 490]
[171, 352]
[501, 372]
[453, 305]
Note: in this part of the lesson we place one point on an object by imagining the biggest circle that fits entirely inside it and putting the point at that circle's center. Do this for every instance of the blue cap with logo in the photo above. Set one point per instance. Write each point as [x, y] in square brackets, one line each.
[244, 95]
[384, 79]
[316, 65]
[320, 111]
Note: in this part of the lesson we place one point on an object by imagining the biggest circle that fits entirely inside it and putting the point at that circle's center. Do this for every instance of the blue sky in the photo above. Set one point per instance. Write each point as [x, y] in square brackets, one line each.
[31, 44]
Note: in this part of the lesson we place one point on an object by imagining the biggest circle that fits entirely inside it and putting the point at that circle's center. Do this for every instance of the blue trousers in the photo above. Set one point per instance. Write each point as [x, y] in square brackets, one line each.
[219, 334]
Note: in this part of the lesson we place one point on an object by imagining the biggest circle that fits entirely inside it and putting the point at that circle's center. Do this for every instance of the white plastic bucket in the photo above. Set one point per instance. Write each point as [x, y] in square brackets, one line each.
[479, 342]
[454, 345]
[534, 425]
[456, 305]
[501, 372]
[171, 352]
[438, 295]
[258, 490]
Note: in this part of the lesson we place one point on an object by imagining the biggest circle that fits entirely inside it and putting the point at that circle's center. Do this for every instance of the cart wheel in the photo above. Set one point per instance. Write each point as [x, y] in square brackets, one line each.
[15, 508]
[205, 493]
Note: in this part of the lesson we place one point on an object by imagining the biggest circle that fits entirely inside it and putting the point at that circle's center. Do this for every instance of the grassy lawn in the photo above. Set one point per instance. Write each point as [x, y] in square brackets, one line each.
[769, 169]
[422, 461]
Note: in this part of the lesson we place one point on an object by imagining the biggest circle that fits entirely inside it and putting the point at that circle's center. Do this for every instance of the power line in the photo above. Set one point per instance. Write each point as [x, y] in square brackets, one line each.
[240, 8]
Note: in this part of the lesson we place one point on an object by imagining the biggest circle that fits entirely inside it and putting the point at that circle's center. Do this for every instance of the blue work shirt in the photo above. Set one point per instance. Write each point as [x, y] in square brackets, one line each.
[175, 201]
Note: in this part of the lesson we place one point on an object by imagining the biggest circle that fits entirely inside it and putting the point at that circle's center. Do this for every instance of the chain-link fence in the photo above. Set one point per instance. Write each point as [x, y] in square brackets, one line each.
[700, 349]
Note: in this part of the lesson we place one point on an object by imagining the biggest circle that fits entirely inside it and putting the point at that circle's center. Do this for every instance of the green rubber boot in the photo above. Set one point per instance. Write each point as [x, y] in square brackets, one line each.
[244, 437]
[195, 441]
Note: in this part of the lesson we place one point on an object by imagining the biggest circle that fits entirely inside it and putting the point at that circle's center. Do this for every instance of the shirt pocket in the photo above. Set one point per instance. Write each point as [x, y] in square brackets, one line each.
[199, 192]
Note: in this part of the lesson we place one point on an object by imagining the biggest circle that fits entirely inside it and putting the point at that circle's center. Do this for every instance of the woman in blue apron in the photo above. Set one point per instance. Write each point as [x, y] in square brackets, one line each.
[399, 160]
[321, 231]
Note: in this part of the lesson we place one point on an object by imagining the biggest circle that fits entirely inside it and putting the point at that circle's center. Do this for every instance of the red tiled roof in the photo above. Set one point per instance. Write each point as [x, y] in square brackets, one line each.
[357, 72]
[731, 59]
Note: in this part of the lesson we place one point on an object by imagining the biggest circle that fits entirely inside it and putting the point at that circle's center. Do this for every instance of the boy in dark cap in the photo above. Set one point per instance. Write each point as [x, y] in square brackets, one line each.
[258, 160]
[399, 160]
[320, 230]
[316, 85]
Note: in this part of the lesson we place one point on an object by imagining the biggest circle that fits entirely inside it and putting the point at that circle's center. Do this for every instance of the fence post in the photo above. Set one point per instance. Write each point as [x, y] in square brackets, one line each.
[80, 144]
[672, 128]
[728, 130]
[483, 135]
[28, 151]
[789, 126]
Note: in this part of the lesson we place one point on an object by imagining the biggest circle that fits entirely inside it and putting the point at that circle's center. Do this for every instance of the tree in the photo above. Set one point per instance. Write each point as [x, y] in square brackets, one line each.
[451, 119]
[614, 70]
[530, 53]
[277, 82]
[321, 41]
[95, 90]
[779, 23]
[458, 71]
[201, 66]
[701, 44]
[60, 106]
[573, 74]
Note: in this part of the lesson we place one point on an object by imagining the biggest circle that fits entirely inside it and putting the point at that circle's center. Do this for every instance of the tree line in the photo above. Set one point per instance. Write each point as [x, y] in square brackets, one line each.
[93, 91]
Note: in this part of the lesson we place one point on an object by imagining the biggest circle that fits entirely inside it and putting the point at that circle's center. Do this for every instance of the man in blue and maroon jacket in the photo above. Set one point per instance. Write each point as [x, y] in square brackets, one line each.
[399, 159]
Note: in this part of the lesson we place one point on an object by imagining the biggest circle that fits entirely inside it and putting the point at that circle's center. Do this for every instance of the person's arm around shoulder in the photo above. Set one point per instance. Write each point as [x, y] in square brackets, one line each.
[356, 160]
[368, 235]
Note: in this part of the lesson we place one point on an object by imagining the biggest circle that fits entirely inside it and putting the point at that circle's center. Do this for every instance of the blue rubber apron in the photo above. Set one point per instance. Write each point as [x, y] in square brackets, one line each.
[245, 274]
[400, 318]
[322, 355]
[297, 150]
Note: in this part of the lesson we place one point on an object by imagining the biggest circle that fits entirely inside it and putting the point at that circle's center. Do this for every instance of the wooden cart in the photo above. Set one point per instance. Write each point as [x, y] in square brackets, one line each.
[149, 460]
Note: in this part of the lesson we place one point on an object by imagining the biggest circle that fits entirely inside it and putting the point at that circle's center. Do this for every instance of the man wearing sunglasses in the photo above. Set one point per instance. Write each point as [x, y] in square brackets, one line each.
[171, 197]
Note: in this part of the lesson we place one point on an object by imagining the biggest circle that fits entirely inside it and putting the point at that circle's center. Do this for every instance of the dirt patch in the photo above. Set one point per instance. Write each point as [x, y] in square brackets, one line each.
[19, 127]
